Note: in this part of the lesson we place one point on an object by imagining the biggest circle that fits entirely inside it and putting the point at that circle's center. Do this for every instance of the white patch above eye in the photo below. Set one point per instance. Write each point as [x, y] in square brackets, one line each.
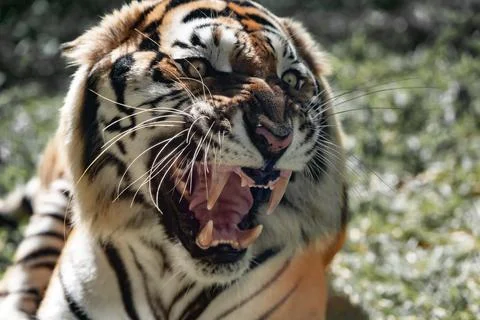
[218, 56]
[285, 63]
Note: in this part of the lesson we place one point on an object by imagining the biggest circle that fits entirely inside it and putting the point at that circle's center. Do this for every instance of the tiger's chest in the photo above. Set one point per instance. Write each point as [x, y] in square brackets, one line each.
[134, 280]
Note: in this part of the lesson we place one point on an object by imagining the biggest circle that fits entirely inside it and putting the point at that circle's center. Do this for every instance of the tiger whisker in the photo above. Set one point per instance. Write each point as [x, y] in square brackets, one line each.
[116, 102]
[165, 174]
[363, 108]
[183, 86]
[359, 89]
[163, 124]
[182, 163]
[193, 124]
[363, 164]
[154, 167]
[134, 160]
[205, 167]
[147, 36]
[105, 149]
[148, 172]
[194, 159]
[153, 110]
[365, 95]
[204, 86]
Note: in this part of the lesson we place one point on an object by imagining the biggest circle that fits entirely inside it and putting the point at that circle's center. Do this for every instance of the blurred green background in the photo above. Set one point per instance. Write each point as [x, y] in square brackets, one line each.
[407, 81]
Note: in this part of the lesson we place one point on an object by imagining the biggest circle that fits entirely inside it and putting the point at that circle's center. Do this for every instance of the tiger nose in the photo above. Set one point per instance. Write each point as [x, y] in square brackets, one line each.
[276, 140]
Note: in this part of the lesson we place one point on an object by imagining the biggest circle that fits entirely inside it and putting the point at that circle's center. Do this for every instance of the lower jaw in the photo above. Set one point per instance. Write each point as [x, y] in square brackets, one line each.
[223, 260]
[185, 227]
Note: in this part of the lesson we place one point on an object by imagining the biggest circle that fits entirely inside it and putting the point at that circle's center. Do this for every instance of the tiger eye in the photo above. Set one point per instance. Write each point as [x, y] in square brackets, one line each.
[291, 79]
[196, 68]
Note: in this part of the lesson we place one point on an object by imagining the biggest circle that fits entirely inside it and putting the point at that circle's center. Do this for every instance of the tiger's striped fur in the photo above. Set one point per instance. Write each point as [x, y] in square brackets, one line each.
[134, 116]
[24, 283]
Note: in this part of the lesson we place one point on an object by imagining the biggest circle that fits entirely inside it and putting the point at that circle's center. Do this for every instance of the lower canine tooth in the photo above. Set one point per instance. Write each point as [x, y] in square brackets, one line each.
[205, 237]
[249, 236]
[278, 191]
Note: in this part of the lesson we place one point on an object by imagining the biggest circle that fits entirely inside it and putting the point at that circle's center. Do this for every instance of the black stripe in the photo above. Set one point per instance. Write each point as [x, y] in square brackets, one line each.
[7, 222]
[110, 159]
[30, 291]
[27, 205]
[40, 253]
[57, 216]
[310, 134]
[180, 103]
[245, 4]
[155, 307]
[123, 279]
[196, 307]
[50, 265]
[152, 37]
[180, 294]
[285, 50]
[152, 27]
[260, 20]
[142, 17]
[89, 124]
[207, 13]
[158, 58]
[208, 25]
[150, 42]
[49, 234]
[345, 208]
[175, 3]
[279, 303]
[181, 44]
[195, 40]
[263, 257]
[161, 252]
[269, 44]
[75, 309]
[201, 13]
[256, 293]
[121, 147]
[118, 79]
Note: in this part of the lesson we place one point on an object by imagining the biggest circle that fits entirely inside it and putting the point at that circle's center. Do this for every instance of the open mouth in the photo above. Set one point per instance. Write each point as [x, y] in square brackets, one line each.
[219, 202]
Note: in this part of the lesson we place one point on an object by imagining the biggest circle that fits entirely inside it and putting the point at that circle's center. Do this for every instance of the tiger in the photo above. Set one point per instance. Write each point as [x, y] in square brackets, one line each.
[203, 173]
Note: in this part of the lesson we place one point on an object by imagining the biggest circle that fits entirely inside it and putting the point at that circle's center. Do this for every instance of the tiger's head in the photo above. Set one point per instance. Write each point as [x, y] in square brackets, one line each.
[206, 124]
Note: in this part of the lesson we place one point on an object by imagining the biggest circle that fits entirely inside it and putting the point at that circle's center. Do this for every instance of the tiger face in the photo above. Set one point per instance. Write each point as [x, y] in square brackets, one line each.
[207, 127]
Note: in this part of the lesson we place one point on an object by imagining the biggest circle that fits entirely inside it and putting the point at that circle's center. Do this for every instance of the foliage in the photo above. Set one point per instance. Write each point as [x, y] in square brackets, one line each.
[406, 87]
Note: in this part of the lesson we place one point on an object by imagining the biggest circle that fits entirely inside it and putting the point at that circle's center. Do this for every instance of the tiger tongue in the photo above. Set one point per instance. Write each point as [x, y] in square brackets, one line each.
[231, 205]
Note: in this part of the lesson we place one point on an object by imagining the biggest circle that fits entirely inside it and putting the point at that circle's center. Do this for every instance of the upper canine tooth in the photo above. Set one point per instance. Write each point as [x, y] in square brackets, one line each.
[205, 237]
[278, 191]
[249, 236]
[219, 180]
[244, 182]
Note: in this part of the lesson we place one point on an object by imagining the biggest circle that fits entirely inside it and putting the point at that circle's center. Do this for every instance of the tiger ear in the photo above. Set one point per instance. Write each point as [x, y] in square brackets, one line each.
[308, 48]
[68, 51]
[114, 30]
